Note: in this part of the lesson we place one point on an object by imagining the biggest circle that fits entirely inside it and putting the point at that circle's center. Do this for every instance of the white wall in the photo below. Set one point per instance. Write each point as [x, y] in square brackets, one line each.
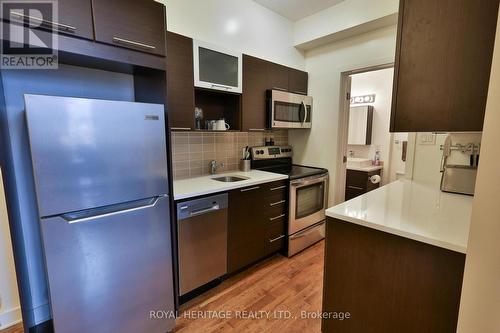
[241, 25]
[346, 16]
[318, 146]
[379, 83]
[480, 303]
[10, 312]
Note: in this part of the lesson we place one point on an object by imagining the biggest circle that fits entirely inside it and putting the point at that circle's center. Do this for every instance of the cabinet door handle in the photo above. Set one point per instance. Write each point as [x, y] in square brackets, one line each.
[278, 188]
[277, 217]
[355, 188]
[276, 239]
[219, 86]
[119, 40]
[277, 203]
[56, 25]
[250, 189]
[180, 128]
[257, 129]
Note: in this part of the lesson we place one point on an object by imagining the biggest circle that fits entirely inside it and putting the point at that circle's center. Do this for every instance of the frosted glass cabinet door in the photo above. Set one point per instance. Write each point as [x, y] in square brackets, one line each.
[360, 125]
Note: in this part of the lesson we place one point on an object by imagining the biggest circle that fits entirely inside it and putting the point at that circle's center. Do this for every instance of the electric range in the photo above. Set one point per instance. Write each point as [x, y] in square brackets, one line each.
[308, 195]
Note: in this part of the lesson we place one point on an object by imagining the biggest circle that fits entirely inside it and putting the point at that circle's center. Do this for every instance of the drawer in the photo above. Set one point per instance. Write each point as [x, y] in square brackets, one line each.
[359, 178]
[280, 186]
[305, 238]
[352, 192]
[275, 237]
[275, 215]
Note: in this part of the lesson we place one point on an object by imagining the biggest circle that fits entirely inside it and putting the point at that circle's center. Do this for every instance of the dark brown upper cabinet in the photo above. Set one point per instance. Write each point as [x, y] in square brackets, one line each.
[443, 63]
[254, 94]
[74, 17]
[180, 82]
[277, 76]
[297, 81]
[134, 24]
[259, 76]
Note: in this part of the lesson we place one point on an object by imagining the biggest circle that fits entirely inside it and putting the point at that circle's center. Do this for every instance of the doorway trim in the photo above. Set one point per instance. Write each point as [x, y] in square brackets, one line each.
[344, 106]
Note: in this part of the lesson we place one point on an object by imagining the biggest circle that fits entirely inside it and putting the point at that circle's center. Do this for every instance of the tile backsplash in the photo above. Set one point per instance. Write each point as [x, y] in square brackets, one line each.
[193, 151]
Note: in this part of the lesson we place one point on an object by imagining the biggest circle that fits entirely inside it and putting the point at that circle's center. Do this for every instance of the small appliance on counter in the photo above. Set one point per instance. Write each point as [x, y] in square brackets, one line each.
[308, 194]
[459, 178]
[217, 125]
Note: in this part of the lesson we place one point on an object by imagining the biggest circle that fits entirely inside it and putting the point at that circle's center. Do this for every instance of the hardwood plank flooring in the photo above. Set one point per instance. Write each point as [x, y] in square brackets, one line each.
[277, 284]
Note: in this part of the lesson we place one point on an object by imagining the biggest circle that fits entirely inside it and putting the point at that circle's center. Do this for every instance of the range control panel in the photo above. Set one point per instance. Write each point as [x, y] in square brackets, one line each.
[270, 152]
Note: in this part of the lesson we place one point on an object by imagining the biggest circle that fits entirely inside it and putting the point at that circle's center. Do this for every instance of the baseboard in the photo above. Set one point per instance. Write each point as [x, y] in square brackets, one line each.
[10, 318]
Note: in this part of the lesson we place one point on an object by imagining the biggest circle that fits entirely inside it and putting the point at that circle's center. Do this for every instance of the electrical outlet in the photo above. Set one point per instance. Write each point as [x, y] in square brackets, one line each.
[428, 139]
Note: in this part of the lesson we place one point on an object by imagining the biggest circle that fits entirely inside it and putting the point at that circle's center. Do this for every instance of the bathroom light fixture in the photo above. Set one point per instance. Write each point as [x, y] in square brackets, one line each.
[364, 99]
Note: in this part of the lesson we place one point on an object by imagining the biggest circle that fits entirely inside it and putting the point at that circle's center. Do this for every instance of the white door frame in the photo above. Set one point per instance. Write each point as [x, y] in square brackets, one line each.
[344, 107]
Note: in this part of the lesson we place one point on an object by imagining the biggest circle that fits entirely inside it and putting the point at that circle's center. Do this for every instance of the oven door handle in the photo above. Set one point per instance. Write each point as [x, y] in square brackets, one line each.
[308, 181]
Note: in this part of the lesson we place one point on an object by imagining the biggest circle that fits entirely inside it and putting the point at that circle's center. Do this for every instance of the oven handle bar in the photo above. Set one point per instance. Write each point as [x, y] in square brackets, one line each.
[309, 180]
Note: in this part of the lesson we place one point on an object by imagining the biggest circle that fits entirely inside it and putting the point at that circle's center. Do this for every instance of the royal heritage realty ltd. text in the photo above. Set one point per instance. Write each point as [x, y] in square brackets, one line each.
[249, 315]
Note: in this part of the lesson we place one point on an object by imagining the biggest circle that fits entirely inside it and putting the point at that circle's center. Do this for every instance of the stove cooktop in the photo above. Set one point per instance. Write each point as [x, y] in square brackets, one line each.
[296, 171]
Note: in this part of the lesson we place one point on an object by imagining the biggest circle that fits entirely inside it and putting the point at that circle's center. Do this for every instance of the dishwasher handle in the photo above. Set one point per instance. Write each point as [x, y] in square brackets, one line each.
[197, 207]
[204, 210]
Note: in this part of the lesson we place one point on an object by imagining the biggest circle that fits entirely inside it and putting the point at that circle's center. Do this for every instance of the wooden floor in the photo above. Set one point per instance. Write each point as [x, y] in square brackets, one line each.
[277, 284]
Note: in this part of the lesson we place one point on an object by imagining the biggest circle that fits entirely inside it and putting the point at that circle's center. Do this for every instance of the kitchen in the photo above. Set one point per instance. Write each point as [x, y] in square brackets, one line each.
[252, 152]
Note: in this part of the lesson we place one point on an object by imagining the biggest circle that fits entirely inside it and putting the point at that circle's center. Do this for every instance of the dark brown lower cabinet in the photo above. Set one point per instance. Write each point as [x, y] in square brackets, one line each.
[358, 183]
[387, 283]
[256, 226]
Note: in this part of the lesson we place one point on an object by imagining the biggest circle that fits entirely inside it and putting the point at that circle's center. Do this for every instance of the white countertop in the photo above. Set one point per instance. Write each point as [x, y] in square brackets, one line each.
[367, 168]
[193, 187]
[412, 210]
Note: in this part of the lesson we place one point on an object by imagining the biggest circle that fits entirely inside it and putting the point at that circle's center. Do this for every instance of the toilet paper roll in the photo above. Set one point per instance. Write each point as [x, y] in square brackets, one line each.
[375, 179]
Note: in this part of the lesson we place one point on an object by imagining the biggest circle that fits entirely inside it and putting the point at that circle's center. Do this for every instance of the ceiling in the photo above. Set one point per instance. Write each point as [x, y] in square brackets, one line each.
[297, 9]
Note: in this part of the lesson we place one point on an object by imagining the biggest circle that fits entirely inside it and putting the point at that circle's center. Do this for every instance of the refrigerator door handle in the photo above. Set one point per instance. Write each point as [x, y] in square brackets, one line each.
[96, 213]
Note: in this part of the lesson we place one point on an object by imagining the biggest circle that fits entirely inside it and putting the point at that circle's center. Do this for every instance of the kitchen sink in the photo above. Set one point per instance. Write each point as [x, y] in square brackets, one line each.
[230, 179]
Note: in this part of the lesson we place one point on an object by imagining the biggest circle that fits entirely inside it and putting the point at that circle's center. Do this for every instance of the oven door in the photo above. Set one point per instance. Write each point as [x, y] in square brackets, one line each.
[289, 110]
[308, 200]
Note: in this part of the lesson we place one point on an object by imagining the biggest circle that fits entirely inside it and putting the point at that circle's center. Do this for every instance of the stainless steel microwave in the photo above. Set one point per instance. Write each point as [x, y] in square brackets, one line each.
[288, 110]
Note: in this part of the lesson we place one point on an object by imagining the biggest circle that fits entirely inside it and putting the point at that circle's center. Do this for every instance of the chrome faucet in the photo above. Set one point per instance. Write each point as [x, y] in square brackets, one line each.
[214, 166]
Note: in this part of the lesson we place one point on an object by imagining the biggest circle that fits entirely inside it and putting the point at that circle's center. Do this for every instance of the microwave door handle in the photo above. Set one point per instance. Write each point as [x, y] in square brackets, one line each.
[305, 113]
[302, 115]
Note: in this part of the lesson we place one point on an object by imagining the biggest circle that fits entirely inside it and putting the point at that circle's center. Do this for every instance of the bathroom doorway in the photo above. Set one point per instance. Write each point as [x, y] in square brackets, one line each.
[369, 155]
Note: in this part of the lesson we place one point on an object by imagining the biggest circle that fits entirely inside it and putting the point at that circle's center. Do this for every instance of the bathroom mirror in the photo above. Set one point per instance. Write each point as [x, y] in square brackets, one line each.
[360, 125]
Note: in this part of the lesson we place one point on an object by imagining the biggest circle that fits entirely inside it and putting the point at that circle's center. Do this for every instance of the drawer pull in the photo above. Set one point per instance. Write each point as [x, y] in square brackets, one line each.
[180, 128]
[119, 40]
[277, 217]
[257, 129]
[278, 188]
[56, 25]
[277, 203]
[250, 189]
[356, 188]
[276, 239]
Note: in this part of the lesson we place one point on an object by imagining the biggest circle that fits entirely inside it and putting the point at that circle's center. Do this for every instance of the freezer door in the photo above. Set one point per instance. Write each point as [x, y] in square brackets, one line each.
[107, 272]
[88, 153]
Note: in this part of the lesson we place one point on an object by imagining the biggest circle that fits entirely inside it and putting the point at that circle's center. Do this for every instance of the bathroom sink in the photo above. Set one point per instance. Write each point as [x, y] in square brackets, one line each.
[230, 179]
[356, 162]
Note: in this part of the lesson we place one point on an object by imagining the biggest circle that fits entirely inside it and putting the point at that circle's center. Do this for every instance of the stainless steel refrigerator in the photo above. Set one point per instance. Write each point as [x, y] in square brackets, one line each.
[100, 172]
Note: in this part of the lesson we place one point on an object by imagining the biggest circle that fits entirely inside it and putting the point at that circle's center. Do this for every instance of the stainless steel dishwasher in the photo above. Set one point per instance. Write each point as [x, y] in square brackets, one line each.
[202, 231]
